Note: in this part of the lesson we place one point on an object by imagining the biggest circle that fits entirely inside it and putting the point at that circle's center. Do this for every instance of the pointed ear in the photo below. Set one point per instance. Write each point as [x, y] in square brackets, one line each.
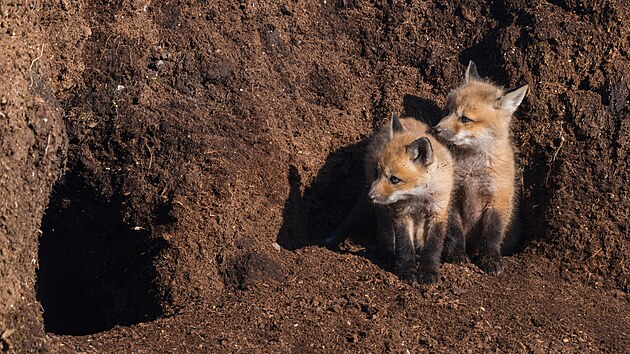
[511, 100]
[471, 73]
[395, 126]
[421, 151]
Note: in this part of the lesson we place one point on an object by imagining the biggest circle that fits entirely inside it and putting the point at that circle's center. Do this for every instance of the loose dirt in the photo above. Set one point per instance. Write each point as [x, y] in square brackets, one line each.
[206, 148]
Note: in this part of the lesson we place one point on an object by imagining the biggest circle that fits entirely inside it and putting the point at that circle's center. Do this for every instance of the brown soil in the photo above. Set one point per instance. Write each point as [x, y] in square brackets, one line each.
[197, 134]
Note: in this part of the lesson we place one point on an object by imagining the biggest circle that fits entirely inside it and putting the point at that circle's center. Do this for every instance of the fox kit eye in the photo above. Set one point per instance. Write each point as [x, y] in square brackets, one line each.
[465, 119]
[394, 180]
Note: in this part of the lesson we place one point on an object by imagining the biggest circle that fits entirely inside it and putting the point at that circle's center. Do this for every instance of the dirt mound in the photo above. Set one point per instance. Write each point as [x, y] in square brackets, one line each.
[578, 122]
[32, 147]
[200, 134]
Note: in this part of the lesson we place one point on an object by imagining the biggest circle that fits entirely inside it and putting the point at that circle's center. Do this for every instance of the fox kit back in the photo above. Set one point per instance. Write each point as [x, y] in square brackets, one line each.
[412, 182]
[477, 128]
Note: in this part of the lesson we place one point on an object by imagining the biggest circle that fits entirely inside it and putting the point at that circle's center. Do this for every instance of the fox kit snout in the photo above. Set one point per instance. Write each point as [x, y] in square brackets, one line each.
[477, 129]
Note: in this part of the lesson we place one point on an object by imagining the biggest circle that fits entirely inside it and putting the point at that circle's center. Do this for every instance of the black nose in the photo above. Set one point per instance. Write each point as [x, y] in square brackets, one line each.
[371, 197]
[437, 130]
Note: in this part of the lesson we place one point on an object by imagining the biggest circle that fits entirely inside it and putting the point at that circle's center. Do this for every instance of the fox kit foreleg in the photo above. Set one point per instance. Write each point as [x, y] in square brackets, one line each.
[493, 229]
[455, 243]
[429, 270]
[405, 251]
[385, 233]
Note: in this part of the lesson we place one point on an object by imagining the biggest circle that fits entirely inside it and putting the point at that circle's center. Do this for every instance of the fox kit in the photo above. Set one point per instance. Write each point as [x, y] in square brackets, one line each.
[477, 128]
[412, 181]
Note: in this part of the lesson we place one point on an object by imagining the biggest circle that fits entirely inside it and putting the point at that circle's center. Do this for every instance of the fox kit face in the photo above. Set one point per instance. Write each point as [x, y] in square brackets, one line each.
[402, 166]
[479, 112]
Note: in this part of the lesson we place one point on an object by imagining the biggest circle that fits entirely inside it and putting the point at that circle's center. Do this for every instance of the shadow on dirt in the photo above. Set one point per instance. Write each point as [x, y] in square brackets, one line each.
[94, 271]
[422, 109]
[310, 213]
[536, 193]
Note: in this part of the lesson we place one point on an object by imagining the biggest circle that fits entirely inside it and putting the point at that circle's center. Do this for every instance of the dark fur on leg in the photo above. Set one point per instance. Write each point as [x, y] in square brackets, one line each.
[405, 254]
[455, 243]
[431, 253]
[489, 259]
[385, 234]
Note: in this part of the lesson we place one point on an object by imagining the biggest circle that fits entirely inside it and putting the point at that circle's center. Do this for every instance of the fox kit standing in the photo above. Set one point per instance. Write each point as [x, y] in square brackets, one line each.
[411, 189]
[478, 130]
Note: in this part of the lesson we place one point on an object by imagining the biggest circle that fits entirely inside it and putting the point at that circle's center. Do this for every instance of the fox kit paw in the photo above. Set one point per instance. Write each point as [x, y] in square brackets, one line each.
[429, 278]
[457, 258]
[491, 264]
[408, 278]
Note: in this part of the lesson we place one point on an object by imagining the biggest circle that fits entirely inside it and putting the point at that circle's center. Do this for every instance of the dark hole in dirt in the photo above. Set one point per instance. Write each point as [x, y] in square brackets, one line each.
[95, 272]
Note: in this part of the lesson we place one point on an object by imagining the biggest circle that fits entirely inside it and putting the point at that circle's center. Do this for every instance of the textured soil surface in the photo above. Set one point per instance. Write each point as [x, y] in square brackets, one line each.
[202, 149]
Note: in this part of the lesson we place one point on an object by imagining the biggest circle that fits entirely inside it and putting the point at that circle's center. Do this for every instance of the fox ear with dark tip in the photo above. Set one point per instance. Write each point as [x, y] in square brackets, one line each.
[421, 151]
[395, 126]
[471, 73]
[511, 100]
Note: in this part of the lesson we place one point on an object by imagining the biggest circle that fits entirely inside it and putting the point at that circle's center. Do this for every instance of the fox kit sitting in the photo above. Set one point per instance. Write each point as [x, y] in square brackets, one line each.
[477, 128]
[411, 191]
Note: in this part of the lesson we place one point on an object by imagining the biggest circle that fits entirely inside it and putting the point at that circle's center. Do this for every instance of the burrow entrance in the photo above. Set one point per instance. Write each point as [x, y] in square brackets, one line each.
[94, 272]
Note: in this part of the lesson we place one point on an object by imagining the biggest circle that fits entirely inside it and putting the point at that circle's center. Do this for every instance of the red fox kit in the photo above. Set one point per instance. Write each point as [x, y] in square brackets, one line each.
[411, 177]
[477, 128]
